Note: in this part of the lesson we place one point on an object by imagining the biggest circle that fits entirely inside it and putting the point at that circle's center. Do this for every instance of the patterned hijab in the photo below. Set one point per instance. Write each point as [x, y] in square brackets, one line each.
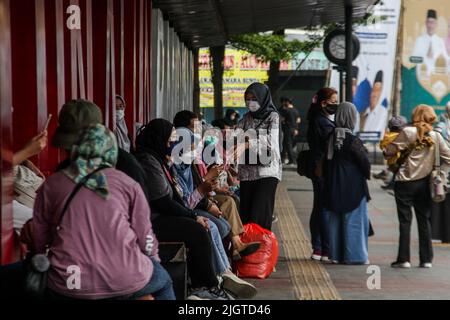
[423, 118]
[96, 148]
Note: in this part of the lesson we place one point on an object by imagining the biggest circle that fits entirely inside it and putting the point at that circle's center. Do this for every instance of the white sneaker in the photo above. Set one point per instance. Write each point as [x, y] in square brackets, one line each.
[239, 288]
[325, 259]
[316, 255]
[426, 265]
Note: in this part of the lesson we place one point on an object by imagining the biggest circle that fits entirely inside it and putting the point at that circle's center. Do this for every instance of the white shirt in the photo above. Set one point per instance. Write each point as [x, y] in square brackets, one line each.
[376, 120]
[422, 48]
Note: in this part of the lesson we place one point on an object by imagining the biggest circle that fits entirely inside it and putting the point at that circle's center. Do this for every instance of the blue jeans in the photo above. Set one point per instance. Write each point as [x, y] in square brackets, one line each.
[349, 234]
[220, 258]
[319, 218]
[159, 286]
[222, 225]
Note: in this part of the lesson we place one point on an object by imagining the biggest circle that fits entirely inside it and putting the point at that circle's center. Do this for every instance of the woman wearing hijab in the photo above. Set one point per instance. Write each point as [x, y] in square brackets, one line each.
[260, 170]
[412, 182]
[104, 246]
[121, 132]
[172, 220]
[191, 197]
[320, 128]
[347, 165]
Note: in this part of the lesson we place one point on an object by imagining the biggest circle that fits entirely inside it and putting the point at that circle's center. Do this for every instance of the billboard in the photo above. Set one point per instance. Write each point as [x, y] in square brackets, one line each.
[425, 56]
[373, 70]
[242, 69]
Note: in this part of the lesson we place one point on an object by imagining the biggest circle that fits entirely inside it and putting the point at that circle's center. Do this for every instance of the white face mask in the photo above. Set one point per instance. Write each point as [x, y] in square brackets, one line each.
[120, 114]
[253, 105]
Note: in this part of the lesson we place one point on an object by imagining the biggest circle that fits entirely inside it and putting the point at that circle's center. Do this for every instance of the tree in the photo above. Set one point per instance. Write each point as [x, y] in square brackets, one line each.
[273, 48]
[217, 55]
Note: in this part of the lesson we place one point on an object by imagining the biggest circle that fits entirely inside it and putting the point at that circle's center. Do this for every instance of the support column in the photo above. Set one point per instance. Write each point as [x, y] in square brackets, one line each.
[348, 52]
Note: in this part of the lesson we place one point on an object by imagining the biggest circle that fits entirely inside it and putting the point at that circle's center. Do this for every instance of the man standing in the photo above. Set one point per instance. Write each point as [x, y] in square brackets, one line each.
[374, 119]
[290, 122]
[430, 46]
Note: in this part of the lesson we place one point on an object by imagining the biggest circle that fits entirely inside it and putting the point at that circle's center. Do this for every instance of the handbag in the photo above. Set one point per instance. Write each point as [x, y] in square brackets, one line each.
[36, 266]
[438, 179]
[304, 164]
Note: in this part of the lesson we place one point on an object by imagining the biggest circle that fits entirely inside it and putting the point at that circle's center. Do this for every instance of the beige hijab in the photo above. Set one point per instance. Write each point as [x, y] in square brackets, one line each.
[423, 118]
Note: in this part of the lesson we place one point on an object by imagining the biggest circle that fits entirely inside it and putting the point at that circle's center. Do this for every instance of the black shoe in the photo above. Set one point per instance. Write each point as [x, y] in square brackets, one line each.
[389, 186]
[399, 264]
[250, 249]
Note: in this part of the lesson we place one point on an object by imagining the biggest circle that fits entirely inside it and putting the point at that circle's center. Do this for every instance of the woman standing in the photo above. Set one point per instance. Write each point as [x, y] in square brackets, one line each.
[347, 166]
[412, 182]
[320, 128]
[259, 178]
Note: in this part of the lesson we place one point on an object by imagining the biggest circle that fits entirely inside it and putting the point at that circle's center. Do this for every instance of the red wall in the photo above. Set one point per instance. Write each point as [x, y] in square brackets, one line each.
[51, 64]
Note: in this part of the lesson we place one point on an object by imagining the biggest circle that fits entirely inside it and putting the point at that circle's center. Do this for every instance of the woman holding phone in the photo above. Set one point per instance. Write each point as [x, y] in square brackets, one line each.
[259, 179]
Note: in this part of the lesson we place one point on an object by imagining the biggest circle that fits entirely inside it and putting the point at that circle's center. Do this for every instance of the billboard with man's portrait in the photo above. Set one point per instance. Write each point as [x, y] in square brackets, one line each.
[425, 56]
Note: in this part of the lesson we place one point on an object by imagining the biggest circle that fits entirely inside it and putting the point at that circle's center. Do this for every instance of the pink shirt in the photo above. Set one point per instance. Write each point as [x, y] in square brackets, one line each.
[103, 247]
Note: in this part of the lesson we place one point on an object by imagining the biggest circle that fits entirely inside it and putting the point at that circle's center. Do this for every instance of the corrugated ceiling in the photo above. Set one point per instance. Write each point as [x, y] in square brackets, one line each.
[202, 23]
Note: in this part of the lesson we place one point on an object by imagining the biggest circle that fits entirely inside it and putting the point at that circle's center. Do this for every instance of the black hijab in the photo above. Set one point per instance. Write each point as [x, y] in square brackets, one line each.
[153, 137]
[262, 94]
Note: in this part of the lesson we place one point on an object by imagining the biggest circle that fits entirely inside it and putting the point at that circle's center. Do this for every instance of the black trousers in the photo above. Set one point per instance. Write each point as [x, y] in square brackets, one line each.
[258, 201]
[198, 243]
[440, 220]
[288, 146]
[409, 195]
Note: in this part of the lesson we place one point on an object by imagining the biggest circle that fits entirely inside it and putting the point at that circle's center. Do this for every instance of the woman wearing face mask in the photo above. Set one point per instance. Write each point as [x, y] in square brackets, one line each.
[191, 196]
[347, 166]
[121, 132]
[320, 128]
[260, 162]
[172, 221]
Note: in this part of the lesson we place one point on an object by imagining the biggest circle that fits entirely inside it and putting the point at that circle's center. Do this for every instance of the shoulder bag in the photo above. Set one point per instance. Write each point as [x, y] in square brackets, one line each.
[438, 177]
[37, 266]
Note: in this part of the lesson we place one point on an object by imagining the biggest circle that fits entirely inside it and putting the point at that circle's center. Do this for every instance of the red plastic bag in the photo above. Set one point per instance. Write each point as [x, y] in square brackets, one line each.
[261, 263]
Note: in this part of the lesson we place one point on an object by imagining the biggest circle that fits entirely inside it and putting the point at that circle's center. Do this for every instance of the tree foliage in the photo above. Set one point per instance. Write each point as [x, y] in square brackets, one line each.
[271, 47]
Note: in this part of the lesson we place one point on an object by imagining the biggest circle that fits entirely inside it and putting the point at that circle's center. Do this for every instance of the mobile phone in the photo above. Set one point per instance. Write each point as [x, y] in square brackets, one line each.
[47, 123]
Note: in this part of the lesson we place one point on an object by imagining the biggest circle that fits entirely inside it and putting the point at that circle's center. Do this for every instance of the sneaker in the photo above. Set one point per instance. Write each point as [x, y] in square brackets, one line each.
[325, 259]
[220, 294]
[239, 288]
[426, 265]
[399, 264]
[209, 294]
[317, 255]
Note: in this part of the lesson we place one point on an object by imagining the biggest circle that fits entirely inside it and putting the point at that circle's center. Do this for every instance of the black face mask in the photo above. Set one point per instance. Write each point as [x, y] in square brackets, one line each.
[331, 108]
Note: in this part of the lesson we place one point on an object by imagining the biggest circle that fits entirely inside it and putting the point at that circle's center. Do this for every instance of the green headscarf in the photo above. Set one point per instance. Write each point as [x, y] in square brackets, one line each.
[96, 148]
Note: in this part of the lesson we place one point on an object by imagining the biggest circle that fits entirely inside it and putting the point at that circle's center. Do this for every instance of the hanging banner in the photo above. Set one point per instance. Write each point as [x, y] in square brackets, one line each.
[241, 70]
[426, 51]
[373, 70]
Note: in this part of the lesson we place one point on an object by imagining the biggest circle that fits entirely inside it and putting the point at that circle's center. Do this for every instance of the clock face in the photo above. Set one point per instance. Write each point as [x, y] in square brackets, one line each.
[337, 46]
